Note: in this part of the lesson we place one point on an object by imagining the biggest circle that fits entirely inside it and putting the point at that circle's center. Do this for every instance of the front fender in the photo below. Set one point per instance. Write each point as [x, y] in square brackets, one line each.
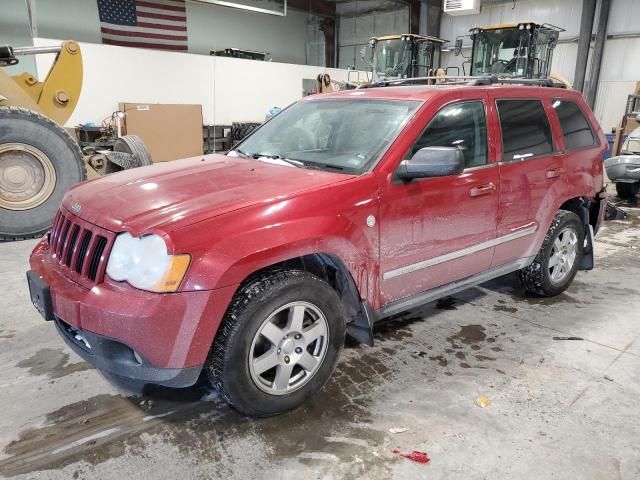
[227, 249]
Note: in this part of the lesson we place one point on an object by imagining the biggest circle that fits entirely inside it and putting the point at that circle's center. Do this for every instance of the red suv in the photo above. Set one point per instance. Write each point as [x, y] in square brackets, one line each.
[338, 212]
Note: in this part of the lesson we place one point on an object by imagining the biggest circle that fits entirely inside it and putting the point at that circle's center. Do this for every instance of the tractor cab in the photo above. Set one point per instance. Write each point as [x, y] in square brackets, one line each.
[521, 50]
[405, 56]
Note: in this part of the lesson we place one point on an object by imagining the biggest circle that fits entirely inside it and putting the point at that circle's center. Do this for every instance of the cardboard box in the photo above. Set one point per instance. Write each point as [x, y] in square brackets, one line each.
[170, 132]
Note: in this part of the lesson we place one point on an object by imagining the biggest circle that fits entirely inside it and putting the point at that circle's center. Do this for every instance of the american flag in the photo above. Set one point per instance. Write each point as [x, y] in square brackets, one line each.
[160, 24]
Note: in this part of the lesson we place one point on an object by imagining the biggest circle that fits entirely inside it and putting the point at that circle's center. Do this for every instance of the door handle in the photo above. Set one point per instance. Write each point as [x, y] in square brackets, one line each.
[485, 189]
[554, 173]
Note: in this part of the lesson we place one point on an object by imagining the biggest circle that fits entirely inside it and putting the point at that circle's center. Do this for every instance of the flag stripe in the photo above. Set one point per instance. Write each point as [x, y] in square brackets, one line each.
[122, 43]
[142, 13]
[154, 41]
[146, 34]
[174, 8]
[158, 24]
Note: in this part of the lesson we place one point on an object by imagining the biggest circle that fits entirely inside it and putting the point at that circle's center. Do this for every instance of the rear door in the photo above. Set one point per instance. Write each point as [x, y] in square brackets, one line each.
[581, 147]
[437, 230]
[532, 176]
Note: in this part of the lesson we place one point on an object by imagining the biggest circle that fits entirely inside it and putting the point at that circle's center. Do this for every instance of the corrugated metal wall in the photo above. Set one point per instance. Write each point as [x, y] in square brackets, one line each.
[355, 31]
[621, 62]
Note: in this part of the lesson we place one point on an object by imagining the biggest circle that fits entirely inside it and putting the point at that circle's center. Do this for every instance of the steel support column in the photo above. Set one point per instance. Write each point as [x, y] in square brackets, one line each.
[584, 43]
[598, 50]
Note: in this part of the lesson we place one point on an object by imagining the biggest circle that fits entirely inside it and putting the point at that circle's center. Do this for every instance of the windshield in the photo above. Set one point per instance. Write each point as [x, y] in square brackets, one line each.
[391, 59]
[501, 52]
[332, 134]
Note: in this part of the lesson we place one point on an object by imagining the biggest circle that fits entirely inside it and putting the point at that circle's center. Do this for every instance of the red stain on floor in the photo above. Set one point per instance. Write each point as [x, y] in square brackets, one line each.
[415, 456]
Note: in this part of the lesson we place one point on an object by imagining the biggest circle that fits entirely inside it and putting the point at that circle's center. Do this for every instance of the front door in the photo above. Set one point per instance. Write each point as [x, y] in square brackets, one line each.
[437, 230]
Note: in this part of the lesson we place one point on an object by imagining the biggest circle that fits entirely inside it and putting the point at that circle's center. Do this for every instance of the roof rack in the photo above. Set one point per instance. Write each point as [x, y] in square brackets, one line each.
[464, 80]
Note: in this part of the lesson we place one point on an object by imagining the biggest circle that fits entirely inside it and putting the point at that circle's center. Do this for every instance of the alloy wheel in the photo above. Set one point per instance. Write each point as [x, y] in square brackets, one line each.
[563, 255]
[288, 348]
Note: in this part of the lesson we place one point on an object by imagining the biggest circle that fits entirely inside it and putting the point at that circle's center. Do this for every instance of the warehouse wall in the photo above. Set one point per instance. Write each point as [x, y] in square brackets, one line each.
[621, 62]
[209, 27]
[15, 31]
[355, 31]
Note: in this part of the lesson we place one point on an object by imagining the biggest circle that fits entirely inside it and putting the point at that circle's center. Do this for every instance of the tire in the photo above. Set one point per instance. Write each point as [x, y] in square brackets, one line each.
[129, 152]
[55, 156]
[537, 278]
[240, 130]
[627, 190]
[229, 367]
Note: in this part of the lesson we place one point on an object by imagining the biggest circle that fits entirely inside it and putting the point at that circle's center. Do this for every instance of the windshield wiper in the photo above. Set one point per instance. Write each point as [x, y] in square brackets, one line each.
[296, 163]
[320, 166]
[244, 154]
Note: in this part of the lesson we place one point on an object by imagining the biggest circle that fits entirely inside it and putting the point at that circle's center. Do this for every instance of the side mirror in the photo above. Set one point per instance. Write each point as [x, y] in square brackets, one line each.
[432, 162]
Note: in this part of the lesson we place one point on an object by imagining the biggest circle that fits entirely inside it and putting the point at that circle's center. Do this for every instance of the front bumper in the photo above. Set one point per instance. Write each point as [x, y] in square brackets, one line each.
[171, 334]
[117, 358]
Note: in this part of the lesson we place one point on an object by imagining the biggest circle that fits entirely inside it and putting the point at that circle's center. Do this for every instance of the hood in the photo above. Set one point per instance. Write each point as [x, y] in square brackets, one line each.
[175, 194]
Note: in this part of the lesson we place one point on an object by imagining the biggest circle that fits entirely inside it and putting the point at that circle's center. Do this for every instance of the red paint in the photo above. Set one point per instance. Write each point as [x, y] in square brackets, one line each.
[235, 216]
[414, 456]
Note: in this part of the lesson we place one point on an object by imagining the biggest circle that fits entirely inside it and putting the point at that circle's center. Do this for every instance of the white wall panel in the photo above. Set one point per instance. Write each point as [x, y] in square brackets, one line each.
[611, 102]
[120, 74]
[228, 89]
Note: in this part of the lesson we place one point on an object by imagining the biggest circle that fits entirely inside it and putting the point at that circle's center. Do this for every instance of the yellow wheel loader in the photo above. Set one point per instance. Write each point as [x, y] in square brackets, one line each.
[513, 51]
[396, 57]
[39, 160]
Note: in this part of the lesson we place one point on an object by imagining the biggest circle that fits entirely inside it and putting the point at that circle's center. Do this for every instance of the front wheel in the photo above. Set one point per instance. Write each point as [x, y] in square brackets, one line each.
[556, 264]
[278, 343]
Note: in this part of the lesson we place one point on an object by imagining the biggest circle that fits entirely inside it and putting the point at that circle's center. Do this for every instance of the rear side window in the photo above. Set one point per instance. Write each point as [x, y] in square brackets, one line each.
[461, 125]
[525, 129]
[575, 127]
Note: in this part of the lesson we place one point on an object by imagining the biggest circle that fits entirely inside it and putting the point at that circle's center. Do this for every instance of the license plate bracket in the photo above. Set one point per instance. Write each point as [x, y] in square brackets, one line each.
[40, 295]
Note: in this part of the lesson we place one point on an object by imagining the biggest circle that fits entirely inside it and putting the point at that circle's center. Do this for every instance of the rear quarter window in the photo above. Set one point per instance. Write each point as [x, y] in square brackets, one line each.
[525, 129]
[575, 126]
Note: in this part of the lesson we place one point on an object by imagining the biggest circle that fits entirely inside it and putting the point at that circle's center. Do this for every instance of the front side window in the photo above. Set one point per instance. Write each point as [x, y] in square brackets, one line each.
[461, 125]
[346, 135]
[575, 127]
[525, 129]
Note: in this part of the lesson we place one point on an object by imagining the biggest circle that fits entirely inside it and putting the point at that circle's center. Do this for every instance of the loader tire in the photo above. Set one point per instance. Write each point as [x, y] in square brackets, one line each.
[39, 161]
[138, 155]
[241, 130]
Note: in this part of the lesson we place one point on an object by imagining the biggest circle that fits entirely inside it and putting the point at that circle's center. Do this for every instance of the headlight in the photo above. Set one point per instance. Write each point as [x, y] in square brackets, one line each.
[145, 264]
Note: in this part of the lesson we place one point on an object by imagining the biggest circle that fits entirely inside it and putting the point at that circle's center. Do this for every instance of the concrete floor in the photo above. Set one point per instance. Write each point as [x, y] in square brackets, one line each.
[558, 409]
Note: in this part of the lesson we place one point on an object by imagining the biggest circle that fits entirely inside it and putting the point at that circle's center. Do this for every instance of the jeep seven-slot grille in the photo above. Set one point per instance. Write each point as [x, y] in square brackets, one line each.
[80, 248]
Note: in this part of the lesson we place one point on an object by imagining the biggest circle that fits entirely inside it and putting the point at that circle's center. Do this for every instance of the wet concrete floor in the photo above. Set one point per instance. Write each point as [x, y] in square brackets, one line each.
[557, 409]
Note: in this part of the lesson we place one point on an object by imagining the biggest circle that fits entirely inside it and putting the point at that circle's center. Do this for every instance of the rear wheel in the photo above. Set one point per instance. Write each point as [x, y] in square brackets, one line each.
[39, 161]
[278, 344]
[556, 264]
[627, 190]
